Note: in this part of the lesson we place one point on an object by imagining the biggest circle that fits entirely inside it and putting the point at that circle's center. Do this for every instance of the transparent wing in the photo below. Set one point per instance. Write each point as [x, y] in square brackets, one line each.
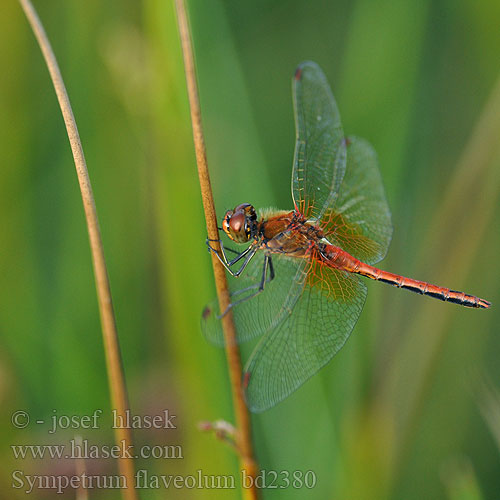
[254, 316]
[360, 220]
[325, 305]
[319, 161]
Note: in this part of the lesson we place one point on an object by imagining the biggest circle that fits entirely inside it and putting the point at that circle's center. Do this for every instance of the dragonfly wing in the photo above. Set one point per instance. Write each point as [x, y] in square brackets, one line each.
[320, 151]
[256, 315]
[360, 220]
[324, 305]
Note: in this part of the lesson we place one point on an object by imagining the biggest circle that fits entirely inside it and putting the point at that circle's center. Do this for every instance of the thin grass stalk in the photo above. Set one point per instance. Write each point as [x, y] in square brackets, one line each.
[243, 424]
[116, 378]
[475, 228]
[82, 493]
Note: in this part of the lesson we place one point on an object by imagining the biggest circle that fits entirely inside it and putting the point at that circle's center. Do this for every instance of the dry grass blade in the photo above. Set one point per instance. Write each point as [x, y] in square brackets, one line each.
[244, 442]
[489, 404]
[471, 172]
[461, 226]
[111, 346]
[82, 493]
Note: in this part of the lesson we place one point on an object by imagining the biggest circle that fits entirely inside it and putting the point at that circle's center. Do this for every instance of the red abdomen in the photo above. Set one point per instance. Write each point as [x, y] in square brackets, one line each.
[336, 257]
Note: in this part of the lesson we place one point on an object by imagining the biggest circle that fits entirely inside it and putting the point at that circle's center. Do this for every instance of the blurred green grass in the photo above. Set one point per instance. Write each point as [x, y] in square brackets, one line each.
[398, 404]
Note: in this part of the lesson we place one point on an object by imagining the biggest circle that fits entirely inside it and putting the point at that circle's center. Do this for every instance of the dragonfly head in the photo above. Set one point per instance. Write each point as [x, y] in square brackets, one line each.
[240, 224]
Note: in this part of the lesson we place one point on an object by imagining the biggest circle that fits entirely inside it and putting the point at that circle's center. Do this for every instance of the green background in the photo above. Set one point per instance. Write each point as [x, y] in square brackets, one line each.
[410, 407]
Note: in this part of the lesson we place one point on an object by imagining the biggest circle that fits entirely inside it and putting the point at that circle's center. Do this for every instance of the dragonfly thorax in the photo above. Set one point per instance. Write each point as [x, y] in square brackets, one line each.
[240, 224]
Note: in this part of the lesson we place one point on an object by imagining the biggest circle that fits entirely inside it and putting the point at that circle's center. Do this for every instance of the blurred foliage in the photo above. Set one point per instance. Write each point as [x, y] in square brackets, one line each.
[396, 414]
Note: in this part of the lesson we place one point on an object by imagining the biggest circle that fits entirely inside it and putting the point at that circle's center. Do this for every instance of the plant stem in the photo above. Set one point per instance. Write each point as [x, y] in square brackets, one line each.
[114, 365]
[243, 425]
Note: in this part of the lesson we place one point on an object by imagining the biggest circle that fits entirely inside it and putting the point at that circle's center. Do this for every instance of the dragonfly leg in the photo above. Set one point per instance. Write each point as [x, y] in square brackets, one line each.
[247, 254]
[268, 265]
[226, 249]
[259, 286]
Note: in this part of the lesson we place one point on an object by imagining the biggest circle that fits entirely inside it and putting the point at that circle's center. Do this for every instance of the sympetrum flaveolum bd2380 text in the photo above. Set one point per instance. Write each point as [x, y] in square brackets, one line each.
[299, 277]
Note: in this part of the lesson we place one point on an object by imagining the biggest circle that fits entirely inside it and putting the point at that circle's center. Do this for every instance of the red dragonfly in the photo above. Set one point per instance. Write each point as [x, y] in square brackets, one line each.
[302, 267]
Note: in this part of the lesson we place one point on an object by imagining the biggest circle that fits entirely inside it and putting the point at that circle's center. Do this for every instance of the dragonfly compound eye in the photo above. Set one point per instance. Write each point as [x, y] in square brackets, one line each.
[239, 223]
[225, 222]
[238, 228]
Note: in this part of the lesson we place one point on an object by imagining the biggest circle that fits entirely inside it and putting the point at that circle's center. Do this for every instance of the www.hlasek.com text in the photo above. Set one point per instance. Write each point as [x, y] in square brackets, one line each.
[86, 450]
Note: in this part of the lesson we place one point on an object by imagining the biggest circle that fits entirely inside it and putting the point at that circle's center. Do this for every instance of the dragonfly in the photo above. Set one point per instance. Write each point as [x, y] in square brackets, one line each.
[300, 283]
